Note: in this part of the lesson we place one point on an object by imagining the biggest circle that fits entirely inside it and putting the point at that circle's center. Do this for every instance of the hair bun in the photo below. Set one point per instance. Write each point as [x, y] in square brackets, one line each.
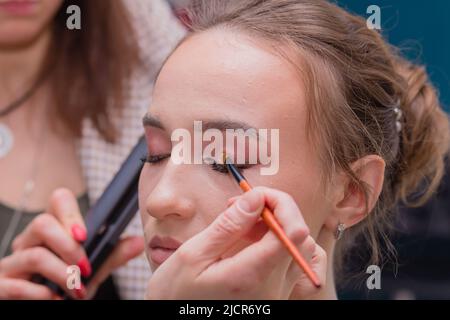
[425, 137]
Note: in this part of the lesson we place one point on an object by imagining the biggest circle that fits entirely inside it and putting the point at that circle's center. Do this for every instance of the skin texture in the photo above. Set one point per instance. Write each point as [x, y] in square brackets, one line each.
[223, 75]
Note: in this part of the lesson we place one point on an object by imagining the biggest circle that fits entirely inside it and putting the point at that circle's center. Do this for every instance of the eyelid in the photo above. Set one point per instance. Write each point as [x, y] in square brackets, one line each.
[219, 167]
[155, 158]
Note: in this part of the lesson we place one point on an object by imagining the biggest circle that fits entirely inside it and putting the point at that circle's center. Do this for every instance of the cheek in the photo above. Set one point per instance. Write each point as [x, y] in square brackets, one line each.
[302, 181]
[209, 210]
[212, 191]
[147, 182]
[52, 6]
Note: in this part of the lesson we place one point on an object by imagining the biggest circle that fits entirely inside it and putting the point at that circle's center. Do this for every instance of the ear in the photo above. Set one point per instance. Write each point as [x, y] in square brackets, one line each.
[350, 200]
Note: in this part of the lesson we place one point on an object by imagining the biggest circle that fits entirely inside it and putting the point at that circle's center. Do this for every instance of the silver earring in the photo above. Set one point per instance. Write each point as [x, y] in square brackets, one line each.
[339, 231]
[398, 116]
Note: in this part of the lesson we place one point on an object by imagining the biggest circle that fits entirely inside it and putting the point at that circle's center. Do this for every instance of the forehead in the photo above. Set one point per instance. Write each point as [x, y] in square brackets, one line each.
[227, 74]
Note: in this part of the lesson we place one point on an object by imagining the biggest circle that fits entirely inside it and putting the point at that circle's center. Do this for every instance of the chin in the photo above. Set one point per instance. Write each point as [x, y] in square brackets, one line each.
[18, 34]
[153, 265]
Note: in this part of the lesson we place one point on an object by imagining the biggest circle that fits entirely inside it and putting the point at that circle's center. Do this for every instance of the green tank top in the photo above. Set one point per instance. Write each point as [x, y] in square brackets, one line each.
[6, 215]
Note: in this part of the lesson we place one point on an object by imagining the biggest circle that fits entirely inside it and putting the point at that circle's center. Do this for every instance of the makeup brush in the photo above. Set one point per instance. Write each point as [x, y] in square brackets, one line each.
[272, 223]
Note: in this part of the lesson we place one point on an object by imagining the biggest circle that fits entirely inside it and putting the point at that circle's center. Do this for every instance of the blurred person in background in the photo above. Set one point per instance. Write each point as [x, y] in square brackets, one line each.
[70, 108]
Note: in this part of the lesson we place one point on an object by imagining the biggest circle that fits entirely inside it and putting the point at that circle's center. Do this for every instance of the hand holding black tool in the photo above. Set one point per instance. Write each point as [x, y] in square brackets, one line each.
[113, 211]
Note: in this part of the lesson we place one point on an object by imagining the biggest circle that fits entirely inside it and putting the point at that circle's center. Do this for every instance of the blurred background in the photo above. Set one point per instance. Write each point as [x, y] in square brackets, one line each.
[421, 28]
[422, 235]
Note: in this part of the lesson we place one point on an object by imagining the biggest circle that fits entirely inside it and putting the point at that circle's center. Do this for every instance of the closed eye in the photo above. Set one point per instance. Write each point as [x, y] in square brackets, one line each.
[222, 168]
[153, 159]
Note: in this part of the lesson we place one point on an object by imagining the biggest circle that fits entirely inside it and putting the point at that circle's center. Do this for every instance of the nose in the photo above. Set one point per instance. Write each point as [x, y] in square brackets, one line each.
[170, 198]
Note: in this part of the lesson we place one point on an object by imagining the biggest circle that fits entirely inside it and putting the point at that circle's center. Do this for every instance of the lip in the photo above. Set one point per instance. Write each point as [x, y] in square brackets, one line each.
[161, 248]
[19, 7]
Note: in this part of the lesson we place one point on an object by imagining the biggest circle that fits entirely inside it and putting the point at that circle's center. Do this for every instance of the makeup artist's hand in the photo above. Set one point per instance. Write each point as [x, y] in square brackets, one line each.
[215, 265]
[48, 245]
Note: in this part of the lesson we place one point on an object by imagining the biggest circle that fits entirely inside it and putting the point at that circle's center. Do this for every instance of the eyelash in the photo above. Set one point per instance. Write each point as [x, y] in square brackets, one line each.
[221, 168]
[154, 159]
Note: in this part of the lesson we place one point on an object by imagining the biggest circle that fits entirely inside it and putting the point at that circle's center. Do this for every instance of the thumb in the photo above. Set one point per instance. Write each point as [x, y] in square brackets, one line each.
[231, 225]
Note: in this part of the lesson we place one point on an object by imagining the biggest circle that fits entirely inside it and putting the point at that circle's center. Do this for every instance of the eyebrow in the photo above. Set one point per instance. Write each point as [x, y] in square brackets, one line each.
[151, 121]
[222, 125]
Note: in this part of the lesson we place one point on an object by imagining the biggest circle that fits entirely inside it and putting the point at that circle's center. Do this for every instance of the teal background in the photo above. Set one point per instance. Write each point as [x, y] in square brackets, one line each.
[421, 28]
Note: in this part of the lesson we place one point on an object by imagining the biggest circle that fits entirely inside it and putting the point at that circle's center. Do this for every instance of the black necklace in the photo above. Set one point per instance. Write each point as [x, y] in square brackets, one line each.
[17, 103]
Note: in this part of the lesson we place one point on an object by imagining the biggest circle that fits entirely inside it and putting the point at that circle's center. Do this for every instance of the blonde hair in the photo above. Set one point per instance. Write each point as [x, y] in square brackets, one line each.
[354, 81]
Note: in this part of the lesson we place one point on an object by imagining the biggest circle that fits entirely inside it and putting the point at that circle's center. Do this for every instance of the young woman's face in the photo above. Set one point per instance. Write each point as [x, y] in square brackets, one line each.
[21, 21]
[223, 78]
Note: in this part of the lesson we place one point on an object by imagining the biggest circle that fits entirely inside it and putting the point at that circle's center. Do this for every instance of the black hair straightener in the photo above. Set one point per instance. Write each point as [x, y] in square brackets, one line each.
[111, 214]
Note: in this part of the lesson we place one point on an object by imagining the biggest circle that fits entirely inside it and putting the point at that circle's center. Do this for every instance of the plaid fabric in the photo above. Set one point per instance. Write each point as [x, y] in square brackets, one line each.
[158, 33]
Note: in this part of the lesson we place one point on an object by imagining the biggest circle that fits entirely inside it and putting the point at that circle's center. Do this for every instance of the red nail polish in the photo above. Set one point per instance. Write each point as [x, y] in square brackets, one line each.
[85, 267]
[79, 233]
[81, 292]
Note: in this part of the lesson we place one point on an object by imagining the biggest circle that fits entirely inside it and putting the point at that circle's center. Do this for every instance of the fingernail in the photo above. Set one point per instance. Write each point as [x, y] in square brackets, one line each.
[85, 267]
[250, 202]
[79, 233]
[81, 292]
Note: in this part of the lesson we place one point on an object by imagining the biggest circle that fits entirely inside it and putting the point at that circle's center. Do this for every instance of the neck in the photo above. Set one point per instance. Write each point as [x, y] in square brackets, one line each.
[20, 66]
